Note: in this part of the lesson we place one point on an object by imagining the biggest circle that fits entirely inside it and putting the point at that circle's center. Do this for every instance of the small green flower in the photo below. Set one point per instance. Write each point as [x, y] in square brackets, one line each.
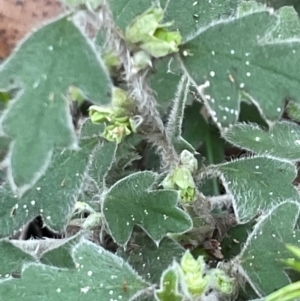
[181, 179]
[193, 270]
[191, 265]
[100, 114]
[196, 284]
[152, 36]
[162, 43]
[116, 132]
[222, 282]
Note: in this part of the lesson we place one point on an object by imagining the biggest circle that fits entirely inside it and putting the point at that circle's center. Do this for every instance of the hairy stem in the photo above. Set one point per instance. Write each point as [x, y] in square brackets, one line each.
[152, 129]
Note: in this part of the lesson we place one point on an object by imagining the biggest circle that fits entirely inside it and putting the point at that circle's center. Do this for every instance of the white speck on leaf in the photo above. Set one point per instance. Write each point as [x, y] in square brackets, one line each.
[212, 73]
[232, 51]
[257, 138]
[90, 273]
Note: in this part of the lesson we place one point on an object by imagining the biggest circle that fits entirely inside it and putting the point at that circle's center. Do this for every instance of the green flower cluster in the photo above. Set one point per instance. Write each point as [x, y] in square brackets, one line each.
[117, 116]
[180, 178]
[197, 280]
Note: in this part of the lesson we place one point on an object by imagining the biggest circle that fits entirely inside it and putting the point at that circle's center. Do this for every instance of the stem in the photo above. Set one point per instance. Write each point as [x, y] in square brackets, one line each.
[152, 129]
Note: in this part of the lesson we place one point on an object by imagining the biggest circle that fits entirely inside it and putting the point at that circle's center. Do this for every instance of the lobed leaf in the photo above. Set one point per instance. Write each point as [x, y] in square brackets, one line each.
[148, 259]
[167, 75]
[134, 203]
[38, 119]
[190, 16]
[58, 188]
[282, 140]
[169, 286]
[12, 259]
[261, 263]
[257, 184]
[61, 255]
[100, 275]
[257, 66]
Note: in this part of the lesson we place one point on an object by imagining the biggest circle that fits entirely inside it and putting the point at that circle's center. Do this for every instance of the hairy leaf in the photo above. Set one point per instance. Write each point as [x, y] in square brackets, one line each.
[133, 202]
[174, 126]
[12, 259]
[169, 287]
[167, 74]
[53, 196]
[204, 137]
[282, 140]
[260, 257]
[61, 256]
[289, 26]
[191, 15]
[148, 259]
[38, 119]
[100, 275]
[257, 184]
[125, 11]
[230, 66]
[103, 157]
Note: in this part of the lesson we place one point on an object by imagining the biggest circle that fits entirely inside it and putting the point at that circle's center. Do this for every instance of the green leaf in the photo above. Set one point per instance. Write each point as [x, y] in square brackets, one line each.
[100, 276]
[168, 74]
[169, 286]
[205, 138]
[189, 16]
[103, 158]
[57, 189]
[133, 202]
[61, 256]
[38, 119]
[125, 11]
[148, 259]
[265, 247]
[12, 259]
[265, 70]
[289, 26]
[282, 140]
[257, 184]
[174, 126]
[235, 239]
